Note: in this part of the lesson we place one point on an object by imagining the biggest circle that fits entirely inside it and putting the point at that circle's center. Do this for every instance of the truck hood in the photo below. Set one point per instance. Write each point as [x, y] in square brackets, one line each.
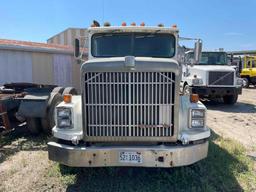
[212, 68]
[142, 64]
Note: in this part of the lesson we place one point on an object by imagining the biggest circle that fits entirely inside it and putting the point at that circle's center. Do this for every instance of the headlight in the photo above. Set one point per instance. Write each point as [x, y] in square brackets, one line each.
[195, 113]
[239, 81]
[197, 123]
[64, 123]
[197, 118]
[197, 81]
[64, 112]
[64, 117]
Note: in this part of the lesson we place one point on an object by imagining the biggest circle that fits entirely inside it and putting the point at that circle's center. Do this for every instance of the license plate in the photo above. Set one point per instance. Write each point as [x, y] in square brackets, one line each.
[130, 157]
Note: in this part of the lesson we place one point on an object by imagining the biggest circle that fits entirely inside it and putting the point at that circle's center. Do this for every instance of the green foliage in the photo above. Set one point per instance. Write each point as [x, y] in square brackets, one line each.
[67, 175]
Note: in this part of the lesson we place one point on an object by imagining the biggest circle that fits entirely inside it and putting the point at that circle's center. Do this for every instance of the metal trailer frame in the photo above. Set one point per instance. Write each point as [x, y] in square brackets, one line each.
[30, 101]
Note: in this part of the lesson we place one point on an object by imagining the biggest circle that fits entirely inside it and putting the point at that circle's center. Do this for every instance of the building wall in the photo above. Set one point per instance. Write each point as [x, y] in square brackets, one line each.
[41, 68]
[62, 67]
[15, 66]
[68, 36]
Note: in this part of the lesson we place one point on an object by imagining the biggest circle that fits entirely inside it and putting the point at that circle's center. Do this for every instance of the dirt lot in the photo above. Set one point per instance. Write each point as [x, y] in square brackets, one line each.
[237, 122]
[24, 164]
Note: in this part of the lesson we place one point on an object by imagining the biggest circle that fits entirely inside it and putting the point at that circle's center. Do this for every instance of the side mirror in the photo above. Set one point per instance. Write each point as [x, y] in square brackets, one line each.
[198, 50]
[77, 49]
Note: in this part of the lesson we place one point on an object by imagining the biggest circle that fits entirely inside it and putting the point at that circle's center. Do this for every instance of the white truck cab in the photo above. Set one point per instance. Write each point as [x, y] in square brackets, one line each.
[212, 77]
[131, 112]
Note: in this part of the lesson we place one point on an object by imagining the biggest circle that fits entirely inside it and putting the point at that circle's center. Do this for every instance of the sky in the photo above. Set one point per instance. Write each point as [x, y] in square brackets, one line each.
[228, 24]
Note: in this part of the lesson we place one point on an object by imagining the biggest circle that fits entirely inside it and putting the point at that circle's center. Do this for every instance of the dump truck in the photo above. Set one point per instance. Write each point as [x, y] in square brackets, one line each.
[131, 112]
[211, 77]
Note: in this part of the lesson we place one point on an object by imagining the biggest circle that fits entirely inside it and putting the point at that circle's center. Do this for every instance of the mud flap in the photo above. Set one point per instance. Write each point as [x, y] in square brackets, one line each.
[33, 106]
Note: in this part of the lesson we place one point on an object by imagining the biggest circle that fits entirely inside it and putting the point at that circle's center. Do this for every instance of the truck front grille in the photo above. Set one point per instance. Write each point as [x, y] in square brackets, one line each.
[221, 78]
[124, 105]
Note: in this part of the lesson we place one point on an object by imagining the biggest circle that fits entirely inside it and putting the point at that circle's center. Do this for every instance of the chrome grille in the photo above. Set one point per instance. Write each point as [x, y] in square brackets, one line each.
[221, 78]
[119, 105]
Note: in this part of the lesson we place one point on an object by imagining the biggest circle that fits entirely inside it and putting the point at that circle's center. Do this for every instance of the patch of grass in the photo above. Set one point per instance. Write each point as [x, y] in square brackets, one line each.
[67, 176]
[227, 168]
[19, 140]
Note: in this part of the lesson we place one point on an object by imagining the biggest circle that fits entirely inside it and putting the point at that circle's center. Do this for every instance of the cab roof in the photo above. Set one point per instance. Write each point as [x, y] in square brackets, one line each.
[149, 29]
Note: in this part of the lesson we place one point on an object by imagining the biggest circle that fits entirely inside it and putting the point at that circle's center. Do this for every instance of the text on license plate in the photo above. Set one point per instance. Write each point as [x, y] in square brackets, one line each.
[130, 157]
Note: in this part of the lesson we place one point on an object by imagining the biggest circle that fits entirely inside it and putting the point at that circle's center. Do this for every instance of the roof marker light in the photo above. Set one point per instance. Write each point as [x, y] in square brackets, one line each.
[95, 24]
[142, 24]
[123, 24]
[174, 26]
[106, 24]
[133, 24]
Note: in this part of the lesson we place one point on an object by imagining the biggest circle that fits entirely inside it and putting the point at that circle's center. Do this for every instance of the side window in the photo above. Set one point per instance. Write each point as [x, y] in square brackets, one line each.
[248, 64]
[204, 59]
[253, 63]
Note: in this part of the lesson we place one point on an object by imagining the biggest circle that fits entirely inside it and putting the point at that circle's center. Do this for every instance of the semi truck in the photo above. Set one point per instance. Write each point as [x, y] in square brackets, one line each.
[131, 112]
[211, 77]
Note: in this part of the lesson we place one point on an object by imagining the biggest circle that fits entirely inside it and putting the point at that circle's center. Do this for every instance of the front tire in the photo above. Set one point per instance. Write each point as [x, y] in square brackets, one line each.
[70, 90]
[186, 90]
[246, 83]
[48, 122]
[34, 125]
[230, 99]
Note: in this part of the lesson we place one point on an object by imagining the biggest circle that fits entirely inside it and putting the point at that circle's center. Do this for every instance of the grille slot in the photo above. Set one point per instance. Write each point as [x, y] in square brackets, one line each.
[221, 78]
[129, 104]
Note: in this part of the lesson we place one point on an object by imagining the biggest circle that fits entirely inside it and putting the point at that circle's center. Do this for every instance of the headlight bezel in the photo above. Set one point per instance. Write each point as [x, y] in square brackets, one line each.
[197, 81]
[62, 118]
[196, 116]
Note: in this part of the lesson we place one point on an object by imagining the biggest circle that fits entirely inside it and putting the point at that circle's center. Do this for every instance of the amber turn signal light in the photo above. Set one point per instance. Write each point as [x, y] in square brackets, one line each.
[67, 98]
[194, 98]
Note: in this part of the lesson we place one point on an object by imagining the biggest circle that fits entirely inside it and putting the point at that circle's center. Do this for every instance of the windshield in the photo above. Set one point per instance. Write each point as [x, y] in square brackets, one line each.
[212, 58]
[133, 44]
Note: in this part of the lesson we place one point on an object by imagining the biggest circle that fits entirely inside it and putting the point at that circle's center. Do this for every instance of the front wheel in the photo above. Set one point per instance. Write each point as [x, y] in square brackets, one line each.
[186, 90]
[246, 83]
[230, 99]
[48, 122]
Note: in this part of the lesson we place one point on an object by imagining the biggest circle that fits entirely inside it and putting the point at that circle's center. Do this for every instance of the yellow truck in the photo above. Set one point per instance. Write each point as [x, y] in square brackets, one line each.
[248, 72]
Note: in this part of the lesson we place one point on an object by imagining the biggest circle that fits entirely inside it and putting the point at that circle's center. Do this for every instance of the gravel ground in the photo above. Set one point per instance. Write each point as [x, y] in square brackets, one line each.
[236, 121]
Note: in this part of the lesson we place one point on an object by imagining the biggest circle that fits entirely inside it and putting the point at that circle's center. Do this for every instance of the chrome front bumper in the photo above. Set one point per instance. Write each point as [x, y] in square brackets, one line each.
[153, 156]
